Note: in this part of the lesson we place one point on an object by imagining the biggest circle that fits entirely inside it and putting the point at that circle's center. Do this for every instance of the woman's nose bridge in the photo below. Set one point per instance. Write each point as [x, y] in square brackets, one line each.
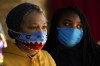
[74, 25]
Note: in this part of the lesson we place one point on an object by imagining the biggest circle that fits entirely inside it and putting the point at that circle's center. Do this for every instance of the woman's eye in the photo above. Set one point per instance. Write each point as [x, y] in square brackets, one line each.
[67, 24]
[79, 26]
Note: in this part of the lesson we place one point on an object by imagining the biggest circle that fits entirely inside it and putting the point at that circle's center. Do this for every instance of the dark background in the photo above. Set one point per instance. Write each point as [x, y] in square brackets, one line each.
[91, 9]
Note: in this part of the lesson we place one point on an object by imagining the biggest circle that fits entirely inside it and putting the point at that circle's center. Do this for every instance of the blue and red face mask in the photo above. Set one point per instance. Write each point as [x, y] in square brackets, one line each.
[34, 40]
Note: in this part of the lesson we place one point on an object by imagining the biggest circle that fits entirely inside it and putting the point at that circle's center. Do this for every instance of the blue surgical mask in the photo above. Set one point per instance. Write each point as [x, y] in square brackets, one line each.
[69, 37]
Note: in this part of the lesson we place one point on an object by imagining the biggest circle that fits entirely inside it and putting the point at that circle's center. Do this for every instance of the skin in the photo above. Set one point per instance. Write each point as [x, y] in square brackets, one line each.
[33, 22]
[70, 20]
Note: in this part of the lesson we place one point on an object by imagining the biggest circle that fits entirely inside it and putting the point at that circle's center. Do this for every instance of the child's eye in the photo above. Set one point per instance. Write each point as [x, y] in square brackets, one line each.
[33, 27]
[44, 27]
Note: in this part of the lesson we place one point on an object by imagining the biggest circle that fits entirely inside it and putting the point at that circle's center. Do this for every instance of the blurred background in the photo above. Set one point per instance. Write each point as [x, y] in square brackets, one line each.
[90, 8]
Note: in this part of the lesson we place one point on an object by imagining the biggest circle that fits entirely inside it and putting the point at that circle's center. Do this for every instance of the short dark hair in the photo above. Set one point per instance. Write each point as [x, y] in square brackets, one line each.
[15, 17]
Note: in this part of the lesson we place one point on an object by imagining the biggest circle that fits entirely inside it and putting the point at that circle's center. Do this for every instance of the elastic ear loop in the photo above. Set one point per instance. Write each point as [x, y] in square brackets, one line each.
[14, 32]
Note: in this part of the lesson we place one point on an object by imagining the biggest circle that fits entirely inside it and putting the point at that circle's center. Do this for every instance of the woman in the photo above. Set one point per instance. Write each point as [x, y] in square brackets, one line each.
[28, 26]
[69, 41]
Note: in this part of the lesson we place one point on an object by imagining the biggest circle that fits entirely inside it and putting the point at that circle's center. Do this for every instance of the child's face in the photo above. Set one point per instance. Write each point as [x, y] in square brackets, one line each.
[70, 20]
[34, 22]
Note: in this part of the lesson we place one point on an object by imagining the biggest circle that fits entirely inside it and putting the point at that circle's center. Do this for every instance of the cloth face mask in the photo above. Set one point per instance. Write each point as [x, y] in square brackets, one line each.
[69, 36]
[34, 40]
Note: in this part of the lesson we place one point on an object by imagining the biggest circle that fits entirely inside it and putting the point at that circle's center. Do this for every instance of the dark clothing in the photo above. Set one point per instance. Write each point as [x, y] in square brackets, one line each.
[73, 57]
[85, 53]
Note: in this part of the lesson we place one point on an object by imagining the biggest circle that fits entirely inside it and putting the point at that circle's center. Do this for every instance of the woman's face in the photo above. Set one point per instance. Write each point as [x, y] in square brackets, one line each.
[34, 22]
[70, 29]
[70, 20]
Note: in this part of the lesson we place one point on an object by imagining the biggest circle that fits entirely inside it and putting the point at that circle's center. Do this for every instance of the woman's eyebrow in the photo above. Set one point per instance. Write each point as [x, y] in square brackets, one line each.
[67, 20]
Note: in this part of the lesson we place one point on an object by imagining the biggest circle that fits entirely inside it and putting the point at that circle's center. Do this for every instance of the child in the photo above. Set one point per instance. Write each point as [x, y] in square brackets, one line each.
[28, 26]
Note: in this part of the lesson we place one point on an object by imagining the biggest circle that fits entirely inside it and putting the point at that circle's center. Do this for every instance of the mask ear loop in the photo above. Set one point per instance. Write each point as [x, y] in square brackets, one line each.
[11, 31]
